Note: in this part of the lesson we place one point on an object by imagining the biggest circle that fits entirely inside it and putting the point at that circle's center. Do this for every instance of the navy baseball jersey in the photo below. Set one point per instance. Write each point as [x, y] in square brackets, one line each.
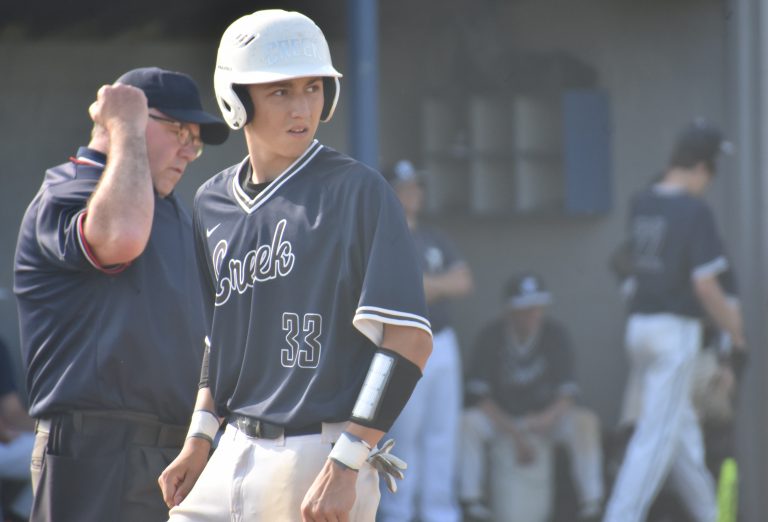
[122, 337]
[437, 255]
[522, 379]
[673, 239]
[301, 278]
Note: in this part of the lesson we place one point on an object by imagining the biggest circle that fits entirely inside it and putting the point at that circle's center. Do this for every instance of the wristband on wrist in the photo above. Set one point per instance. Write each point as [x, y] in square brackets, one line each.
[204, 425]
[350, 451]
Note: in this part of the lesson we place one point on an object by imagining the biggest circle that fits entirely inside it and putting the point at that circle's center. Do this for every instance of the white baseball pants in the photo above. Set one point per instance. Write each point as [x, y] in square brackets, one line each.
[525, 493]
[261, 480]
[667, 437]
[426, 437]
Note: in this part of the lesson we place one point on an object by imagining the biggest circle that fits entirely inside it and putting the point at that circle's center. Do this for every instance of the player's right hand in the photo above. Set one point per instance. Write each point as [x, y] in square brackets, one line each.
[177, 479]
[120, 107]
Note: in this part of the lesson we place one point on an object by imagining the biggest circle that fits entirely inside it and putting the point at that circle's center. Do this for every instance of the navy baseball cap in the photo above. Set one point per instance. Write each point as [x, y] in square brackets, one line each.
[527, 290]
[176, 95]
[402, 172]
[699, 141]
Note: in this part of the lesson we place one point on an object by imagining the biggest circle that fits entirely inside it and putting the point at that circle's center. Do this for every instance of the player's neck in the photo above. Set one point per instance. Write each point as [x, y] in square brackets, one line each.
[680, 179]
[266, 163]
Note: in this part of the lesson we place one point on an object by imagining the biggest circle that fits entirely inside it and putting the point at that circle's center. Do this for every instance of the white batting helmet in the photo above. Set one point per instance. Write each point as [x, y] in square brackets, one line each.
[268, 46]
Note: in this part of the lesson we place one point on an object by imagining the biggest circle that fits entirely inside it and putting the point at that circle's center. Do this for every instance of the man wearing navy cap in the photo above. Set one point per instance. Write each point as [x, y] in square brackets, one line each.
[524, 399]
[109, 303]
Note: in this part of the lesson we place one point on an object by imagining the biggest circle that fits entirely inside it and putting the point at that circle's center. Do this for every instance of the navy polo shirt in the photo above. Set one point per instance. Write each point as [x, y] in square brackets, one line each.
[7, 384]
[115, 338]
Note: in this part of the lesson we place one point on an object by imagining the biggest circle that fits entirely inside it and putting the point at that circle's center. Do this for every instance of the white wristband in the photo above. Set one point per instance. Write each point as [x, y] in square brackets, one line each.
[204, 425]
[350, 451]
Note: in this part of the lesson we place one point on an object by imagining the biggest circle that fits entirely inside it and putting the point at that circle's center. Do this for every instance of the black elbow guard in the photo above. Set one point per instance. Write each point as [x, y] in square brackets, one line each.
[389, 384]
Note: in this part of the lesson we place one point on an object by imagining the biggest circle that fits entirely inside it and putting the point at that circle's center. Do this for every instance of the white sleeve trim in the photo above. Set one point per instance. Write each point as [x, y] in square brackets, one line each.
[714, 267]
[370, 321]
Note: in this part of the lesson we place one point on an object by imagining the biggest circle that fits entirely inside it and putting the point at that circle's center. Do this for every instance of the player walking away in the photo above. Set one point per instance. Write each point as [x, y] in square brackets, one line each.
[427, 430]
[317, 323]
[109, 303]
[677, 256]
[523, 401]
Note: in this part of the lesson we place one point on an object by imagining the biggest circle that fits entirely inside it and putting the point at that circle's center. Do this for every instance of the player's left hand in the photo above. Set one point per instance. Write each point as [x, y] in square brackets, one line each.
[389, 466]
[331, 496]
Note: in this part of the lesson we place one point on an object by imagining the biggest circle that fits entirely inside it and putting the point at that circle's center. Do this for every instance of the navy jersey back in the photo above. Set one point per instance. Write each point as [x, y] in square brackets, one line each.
[301, 280]
[522, 381]
[673, 239]
[106, 338]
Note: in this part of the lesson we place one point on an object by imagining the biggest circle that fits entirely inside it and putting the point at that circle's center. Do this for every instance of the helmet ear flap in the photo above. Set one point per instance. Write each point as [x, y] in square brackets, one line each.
[331, 88]
[232, 108]
[241, 91]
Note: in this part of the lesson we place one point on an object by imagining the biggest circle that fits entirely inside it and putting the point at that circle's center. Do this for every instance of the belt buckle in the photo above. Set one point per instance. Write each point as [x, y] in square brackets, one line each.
[267, 430]
[259, 429]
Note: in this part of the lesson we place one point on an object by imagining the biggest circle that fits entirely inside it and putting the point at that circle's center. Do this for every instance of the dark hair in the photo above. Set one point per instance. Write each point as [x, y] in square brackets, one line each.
[699, 141]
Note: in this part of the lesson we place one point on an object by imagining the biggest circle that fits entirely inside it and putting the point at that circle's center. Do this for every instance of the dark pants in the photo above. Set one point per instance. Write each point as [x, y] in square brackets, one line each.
[102, 466]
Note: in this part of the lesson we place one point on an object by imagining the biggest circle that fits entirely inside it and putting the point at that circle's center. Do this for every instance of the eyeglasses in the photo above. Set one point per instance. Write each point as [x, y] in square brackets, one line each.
[183, 133]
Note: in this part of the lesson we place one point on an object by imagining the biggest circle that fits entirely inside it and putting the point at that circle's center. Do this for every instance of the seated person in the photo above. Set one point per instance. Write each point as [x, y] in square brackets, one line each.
[16, 439]
[523, 401]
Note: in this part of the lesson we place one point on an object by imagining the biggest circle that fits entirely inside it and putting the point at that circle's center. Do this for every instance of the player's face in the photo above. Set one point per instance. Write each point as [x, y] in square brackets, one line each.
[286, 117]
[526, 321]
[168, 155]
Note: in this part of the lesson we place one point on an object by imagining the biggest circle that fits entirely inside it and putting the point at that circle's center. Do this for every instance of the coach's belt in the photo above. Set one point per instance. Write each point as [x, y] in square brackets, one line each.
[266, 430]
[137, 428]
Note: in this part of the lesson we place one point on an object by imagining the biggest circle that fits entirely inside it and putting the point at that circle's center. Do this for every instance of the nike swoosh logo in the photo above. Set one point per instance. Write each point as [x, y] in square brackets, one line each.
[209, 231]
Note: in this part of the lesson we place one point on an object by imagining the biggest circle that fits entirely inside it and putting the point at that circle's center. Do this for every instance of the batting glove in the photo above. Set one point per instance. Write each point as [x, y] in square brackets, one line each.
[389, 466]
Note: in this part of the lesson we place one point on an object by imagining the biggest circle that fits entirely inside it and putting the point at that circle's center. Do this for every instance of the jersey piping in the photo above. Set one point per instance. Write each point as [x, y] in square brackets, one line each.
[714, 267]
[370, 320]
[88, 253]
[80, 219]
[249, 204]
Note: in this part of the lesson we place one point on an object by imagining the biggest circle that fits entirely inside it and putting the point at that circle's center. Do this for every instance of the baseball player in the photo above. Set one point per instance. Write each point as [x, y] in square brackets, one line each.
[524, 399]
[677, 256]
[428, 428]
[109, 303]
[317, 329]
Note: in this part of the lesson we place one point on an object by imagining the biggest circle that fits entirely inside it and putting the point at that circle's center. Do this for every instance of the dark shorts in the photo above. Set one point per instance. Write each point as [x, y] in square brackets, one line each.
[102, 466]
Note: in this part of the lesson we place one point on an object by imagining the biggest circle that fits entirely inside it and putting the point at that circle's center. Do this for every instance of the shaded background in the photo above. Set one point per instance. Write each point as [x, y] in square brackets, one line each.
[659, 63]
